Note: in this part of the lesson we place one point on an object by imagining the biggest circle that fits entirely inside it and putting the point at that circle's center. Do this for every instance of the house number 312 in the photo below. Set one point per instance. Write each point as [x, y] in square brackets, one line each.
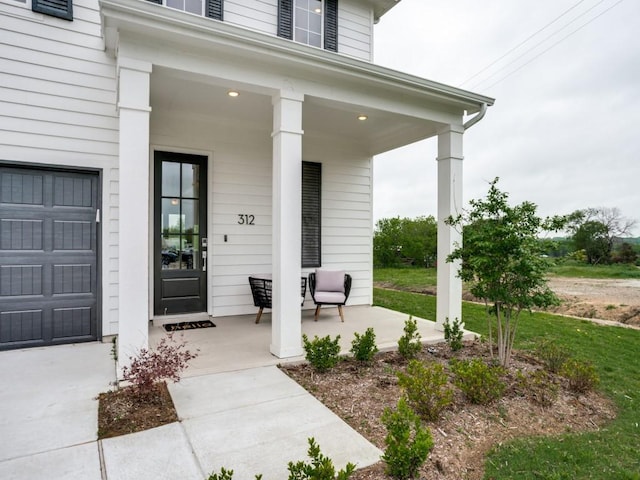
[245, 219]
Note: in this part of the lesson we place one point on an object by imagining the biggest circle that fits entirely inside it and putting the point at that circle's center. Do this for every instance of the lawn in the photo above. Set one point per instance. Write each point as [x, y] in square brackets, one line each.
[612, 452]
[420, 279]
[408, 278]
[581, 270]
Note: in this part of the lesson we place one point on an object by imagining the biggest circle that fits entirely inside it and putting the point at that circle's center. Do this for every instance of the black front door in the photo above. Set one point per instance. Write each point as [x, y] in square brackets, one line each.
[180, 233]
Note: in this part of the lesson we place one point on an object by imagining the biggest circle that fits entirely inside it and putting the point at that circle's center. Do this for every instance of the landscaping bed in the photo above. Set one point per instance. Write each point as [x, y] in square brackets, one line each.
[465, 432]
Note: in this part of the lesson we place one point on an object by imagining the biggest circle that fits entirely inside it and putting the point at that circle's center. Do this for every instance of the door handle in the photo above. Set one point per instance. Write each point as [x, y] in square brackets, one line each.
[204, 261]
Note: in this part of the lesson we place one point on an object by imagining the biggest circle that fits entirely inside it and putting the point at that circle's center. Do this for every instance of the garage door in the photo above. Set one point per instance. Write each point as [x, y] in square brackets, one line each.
[48, 257]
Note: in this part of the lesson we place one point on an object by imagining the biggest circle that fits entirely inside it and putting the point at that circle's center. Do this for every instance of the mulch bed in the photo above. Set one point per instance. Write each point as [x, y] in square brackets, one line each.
[124, 411]
[465, 432]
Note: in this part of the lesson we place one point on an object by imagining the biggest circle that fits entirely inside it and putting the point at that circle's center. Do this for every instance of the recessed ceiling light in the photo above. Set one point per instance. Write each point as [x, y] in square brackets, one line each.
[318, 10]
[362, 117]
[233, 93]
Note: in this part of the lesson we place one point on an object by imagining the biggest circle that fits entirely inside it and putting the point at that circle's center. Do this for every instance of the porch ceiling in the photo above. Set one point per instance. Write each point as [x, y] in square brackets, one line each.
[184, 93]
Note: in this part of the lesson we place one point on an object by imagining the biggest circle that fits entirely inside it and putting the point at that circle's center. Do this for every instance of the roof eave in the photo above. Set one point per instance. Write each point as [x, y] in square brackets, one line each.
[134, 13]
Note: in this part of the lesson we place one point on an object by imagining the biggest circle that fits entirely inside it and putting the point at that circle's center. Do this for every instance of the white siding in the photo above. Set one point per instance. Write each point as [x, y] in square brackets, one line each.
[355, 29]
[240, 183]
[57, 107]
[260, 15]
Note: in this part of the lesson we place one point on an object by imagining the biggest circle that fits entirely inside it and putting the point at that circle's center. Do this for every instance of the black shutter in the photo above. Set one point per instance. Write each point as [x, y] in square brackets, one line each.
[285, 19]
[331, 25]
[55, 8]
[311, 214]
[215, 9]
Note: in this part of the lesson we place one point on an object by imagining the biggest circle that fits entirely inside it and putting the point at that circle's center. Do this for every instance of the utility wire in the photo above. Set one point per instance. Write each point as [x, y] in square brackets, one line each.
[522, 43]
[552, 46]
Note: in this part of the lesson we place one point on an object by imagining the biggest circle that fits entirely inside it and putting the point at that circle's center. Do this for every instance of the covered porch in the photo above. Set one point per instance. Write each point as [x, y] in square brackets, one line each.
[293, 105]
[238, 343]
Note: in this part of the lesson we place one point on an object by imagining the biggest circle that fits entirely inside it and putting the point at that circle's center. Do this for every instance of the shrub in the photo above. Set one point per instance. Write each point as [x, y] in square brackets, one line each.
[552, 355]
[409, 345]
[227, 475]
[320, 468]
[426, 388]
[364, 346]
[322, 353]
[539, 386]
[582, 375]
[479, 382]
[453, 334]
[408, 442]
[149, 368]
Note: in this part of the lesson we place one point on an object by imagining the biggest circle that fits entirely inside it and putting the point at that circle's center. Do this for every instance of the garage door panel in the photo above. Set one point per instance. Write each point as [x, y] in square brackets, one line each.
[72, 235]
[21, 326]
[72, 191]
[48, 257]
[19, 280]
[21, 234]
[21, 188]
[72, 279]
[72, 322]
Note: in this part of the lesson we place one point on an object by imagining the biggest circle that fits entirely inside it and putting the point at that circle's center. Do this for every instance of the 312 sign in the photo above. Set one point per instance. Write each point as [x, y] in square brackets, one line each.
[246, 219]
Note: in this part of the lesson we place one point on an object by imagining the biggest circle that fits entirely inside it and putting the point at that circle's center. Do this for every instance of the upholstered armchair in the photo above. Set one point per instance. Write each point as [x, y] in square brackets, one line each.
[329, 287]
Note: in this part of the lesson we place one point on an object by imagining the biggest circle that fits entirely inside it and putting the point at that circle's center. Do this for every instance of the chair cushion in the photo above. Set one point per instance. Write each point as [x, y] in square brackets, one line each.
[330, 297]
[329, 281]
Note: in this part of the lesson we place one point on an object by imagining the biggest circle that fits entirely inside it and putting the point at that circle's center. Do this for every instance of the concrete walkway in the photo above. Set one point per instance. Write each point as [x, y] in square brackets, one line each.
[253, 421]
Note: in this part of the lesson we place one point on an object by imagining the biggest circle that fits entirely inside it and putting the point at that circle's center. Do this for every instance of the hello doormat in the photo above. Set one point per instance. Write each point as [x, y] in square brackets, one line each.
[174, 327]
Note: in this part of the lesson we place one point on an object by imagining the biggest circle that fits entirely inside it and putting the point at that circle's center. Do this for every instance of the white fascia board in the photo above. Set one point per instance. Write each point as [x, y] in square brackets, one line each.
[141, 17]
[380, 7]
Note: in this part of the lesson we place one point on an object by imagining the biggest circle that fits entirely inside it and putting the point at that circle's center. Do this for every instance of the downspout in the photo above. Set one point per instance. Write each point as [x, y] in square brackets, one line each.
[472, 121]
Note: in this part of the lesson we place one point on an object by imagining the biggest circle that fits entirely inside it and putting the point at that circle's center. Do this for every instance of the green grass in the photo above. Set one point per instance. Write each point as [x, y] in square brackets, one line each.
[610, 453]
[596, 271]
[409, 278]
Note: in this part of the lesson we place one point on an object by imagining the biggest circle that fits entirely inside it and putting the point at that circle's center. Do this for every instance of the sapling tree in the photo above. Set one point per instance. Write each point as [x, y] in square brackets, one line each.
[502, 262]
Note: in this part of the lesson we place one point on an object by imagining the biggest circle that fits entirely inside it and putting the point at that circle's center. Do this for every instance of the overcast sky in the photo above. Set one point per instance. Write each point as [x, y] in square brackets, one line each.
[564, 132]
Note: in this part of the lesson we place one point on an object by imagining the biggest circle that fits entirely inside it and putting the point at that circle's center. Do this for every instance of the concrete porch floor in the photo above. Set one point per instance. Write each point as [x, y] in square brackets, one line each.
[237, 343]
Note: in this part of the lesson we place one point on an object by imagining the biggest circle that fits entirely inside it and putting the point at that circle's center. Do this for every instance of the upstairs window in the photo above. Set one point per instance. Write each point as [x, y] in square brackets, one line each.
[307, 22]
[208, 8]
[312, 22]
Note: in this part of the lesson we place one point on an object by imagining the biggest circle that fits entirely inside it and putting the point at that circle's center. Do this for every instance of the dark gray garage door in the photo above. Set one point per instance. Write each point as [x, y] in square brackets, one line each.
[48, 257]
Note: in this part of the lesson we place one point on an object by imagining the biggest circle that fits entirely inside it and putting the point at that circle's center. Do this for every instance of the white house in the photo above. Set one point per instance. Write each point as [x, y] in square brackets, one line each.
[153, 155]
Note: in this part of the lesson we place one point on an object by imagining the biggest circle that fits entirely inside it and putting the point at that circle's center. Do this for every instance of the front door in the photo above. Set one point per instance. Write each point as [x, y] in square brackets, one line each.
[180, 233]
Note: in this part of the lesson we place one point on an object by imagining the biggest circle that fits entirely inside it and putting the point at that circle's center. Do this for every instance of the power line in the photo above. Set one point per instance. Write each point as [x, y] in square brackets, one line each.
[523, 42]
[552, 46]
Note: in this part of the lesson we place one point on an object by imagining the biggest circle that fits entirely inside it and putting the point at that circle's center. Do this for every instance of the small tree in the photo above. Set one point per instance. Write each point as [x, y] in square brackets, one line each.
[502, 262]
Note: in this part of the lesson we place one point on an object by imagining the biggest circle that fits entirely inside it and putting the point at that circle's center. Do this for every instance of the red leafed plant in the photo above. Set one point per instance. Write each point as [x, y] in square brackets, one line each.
[166, 362]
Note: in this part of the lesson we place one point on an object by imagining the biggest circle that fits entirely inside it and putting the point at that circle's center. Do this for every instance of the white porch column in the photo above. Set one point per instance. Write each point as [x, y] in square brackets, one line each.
[286, 328]
[449, 297]
[134, 112]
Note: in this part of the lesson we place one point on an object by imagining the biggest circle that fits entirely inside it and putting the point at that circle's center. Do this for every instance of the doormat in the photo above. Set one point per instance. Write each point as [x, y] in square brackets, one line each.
[173, 327]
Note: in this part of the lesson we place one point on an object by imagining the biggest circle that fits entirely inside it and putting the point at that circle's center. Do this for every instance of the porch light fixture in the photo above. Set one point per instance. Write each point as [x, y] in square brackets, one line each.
[233, 93]
[362, 117]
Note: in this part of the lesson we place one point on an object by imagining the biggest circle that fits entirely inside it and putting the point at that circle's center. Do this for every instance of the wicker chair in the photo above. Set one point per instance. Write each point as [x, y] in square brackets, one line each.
[329, 288]
[261, 291]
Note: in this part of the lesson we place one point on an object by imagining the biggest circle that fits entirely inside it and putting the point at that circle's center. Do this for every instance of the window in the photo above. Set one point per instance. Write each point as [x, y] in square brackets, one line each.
[56, 8]
[311, 214]
[307, 22]
[312, 22]
[209, 8]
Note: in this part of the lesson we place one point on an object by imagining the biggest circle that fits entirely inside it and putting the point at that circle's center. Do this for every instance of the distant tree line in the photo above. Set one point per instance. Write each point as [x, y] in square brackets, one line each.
[405, 241]
[595, 236]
